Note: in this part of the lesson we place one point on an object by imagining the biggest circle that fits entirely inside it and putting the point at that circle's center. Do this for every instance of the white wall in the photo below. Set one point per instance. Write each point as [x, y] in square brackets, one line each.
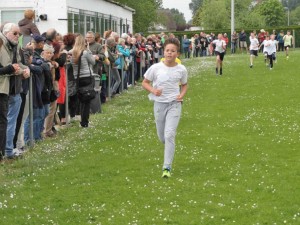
[57, 9]
[54, 9]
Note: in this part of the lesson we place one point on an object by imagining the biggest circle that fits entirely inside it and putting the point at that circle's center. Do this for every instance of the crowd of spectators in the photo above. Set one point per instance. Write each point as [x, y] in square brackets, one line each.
[198, 45]
[116, 61]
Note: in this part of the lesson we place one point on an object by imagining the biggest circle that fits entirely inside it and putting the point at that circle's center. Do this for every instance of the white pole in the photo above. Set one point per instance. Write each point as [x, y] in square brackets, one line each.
[288, 17]
[232, 16]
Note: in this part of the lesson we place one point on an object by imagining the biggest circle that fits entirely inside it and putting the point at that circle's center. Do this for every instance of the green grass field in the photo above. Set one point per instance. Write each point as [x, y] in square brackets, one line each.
[237, 157]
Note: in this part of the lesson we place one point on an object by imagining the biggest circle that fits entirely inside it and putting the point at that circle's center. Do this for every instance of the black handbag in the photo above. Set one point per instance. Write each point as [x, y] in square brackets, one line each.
[85, 93]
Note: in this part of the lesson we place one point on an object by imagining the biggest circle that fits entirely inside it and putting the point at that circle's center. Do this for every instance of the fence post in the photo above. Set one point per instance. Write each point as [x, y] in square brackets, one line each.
[31, 138]
[67, 95]
[122, 73]
[109, 81]
[132, 73]
[294, 39]
[141, 68]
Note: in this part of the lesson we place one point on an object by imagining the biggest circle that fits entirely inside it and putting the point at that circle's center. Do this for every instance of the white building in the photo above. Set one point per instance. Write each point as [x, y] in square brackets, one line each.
[75, 16]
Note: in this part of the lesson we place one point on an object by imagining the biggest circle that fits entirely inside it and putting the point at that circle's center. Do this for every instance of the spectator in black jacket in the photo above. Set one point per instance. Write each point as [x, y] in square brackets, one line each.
[243, 42]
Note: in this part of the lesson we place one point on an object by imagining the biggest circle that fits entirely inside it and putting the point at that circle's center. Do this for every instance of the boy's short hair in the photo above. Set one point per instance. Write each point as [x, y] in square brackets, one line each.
[173, 41]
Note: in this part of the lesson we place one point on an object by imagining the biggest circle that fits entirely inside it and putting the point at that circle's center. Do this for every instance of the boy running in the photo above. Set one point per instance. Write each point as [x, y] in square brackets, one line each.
[253, 48]
[271, 50]
[265, 48]
[288, 38]
[219, 51]
[167, 96]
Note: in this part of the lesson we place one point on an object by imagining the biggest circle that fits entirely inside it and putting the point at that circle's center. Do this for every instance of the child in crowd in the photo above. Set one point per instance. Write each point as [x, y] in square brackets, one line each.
[167, 96]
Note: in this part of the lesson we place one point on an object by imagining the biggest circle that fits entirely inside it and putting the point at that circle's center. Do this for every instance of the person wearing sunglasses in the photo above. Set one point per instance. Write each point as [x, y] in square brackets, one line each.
[10, 87]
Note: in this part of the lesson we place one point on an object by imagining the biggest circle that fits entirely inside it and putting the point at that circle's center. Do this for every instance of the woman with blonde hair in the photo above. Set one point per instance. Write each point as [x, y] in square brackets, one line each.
[82, 61]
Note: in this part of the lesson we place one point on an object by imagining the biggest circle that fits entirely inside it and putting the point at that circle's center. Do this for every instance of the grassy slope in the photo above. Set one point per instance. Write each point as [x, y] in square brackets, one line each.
[236, 162]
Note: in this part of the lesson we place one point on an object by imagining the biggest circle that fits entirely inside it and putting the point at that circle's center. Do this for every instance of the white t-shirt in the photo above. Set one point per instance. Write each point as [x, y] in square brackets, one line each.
[219, 44]
[271, 48]
[287, 40]
[253, 43]
[167, 79]
[265, 47]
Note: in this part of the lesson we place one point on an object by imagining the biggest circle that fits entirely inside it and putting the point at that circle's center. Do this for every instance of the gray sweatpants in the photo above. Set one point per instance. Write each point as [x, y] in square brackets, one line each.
[167, 116]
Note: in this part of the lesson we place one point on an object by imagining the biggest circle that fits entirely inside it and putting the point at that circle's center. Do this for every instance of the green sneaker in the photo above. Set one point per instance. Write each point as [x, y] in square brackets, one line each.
[166, 173]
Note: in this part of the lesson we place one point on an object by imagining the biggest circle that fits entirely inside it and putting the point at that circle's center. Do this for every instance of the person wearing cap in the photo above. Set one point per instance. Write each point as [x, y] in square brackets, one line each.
[10, 87]
[38, 38]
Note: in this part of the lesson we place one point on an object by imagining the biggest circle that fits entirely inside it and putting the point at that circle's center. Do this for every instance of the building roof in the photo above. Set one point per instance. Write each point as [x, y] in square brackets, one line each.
[121, 5]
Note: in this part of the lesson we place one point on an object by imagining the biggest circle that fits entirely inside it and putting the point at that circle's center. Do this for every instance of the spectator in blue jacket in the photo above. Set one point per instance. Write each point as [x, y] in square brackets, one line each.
[186, 46]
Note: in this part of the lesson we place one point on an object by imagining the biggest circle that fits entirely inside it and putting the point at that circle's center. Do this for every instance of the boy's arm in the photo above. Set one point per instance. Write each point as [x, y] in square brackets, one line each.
[184, 88]
[146, 84]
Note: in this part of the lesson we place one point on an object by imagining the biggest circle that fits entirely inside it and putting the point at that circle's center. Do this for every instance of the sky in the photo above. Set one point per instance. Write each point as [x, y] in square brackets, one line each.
[181, 5]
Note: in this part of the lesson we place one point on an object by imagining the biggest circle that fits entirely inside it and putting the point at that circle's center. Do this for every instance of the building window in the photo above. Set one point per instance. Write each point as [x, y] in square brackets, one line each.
[88, 23]
[76, 23]
[98, 27]
[102, 24]
[11, 16]
[70, 23]
[82, 24]
[81, 21]
[93, 24]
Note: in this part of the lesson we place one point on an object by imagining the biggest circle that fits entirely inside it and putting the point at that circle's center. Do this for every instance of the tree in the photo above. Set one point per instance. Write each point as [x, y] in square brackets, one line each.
[295, 16]
[166, 18]
[195, 5]
[172, 19]
[252, 20]
[212, 20]
[272, 11]
[179, 19]
[196, 18]
[145, 13]
[244, 16]
[291, 4]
